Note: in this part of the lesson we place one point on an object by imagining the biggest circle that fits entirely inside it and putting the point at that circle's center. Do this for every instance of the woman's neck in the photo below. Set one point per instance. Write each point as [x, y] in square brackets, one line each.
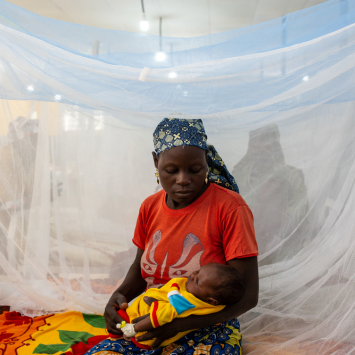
[178, 206]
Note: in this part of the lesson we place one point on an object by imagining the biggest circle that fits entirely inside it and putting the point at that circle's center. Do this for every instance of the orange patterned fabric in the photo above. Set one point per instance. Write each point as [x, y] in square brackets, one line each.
[70, 333]
[16, 330]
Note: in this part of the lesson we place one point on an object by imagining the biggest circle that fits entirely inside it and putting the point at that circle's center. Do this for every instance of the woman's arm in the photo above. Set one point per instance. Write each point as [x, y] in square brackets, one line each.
[132, 286]
[248, 267]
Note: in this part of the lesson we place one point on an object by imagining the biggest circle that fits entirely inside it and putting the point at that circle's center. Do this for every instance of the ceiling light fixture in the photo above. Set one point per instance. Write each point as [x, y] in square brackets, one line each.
[144, 24]
[160, 56]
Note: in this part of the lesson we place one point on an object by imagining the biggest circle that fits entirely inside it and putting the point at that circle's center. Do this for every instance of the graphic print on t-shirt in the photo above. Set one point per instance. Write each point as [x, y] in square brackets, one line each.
[159, 266]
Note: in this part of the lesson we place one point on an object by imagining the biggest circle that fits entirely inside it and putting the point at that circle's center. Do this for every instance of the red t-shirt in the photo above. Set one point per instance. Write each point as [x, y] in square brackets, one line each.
[217, 227]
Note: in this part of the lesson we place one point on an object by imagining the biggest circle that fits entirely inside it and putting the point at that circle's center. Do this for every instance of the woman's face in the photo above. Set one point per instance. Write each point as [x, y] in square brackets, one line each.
[182, 173]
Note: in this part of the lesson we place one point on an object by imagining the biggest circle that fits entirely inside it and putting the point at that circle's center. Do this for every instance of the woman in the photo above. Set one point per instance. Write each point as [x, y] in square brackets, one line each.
[188, 224]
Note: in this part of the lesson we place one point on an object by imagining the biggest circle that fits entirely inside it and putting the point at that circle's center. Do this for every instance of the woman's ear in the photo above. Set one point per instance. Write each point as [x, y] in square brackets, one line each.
[155, 159]
[212, 301]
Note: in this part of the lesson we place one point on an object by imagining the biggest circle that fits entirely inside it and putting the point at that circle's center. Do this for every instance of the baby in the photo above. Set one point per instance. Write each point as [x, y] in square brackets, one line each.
[205, 291]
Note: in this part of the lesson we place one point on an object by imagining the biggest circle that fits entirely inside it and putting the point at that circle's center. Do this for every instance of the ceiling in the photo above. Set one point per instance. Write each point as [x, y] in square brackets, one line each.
[182, 18]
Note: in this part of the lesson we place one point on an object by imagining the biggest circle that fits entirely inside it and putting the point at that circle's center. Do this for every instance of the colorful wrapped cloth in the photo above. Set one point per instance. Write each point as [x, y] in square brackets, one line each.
[224, 338]
[178, 132]
[74, 333]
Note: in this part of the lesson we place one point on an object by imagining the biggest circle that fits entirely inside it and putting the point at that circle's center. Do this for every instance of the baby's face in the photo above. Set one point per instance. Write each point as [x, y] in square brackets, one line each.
[203, 282]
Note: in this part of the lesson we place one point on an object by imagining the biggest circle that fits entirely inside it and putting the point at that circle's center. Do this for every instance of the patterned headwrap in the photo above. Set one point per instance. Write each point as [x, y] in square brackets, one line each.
[175, 132]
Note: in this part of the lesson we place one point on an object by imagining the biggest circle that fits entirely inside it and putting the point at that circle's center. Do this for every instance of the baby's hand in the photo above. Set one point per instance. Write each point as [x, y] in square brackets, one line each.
[127, 329]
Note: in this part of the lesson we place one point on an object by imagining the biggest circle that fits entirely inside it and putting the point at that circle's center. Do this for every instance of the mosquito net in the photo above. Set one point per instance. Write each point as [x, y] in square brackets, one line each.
[78, 109]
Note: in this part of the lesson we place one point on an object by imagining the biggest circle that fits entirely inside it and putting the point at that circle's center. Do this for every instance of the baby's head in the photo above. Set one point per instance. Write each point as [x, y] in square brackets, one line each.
[216, 284]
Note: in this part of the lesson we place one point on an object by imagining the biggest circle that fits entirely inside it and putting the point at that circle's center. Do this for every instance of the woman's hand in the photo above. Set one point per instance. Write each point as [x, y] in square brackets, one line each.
[132, 286]
[116, 302]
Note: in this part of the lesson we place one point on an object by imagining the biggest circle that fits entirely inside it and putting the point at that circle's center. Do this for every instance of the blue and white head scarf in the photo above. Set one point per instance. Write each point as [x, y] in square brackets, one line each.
[175, 132]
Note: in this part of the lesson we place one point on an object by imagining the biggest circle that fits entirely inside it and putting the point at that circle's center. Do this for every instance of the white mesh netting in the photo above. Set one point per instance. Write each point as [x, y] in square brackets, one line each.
[278, 102]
